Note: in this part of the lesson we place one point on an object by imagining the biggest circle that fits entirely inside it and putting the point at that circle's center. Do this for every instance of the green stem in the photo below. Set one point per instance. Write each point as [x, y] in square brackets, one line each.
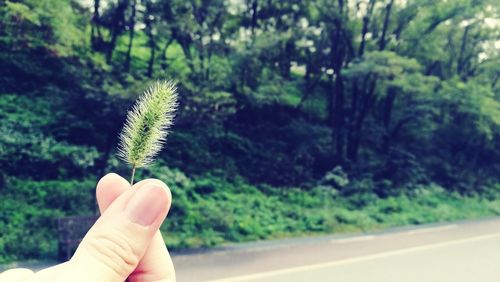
[132, 177]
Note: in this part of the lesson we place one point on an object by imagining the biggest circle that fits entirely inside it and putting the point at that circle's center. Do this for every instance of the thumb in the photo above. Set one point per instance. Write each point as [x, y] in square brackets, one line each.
[113, 247]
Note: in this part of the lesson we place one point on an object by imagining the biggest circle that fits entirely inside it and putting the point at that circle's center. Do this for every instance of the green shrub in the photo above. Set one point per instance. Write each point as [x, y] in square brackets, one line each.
[28, 213]
[209, 210]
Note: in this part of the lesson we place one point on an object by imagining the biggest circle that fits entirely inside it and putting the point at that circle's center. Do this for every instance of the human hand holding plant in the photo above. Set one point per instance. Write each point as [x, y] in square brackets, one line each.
[124, 243]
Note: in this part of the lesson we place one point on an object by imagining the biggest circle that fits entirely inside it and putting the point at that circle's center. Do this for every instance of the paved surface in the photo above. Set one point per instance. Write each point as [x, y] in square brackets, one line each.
[458, 252]
[467, 251]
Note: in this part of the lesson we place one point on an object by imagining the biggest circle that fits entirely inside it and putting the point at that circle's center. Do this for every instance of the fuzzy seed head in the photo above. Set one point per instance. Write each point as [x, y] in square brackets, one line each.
[147, 124]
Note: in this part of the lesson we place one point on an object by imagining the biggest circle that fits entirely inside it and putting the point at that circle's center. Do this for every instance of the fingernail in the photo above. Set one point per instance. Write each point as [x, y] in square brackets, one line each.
[146, 204]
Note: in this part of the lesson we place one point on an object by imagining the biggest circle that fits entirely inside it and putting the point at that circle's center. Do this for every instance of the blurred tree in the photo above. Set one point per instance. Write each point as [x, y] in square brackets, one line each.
[131, 30]
[382, 77]
[149, 23]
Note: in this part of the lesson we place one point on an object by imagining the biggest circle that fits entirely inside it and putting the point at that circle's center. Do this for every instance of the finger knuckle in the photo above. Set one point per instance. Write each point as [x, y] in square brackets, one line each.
[115, 250]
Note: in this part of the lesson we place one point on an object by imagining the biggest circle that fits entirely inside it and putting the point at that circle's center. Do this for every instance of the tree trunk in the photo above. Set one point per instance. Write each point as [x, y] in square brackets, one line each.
[151, 62]
[253, 24]
[461, 61]
[352, 138]
[151, 39]
[366, 104]
[387, 18]
[366, 23]
[164, 59]
[338, 121]
[285, 59]
[118, 19]
[312, 77]
[495, 79]
[96, 41]
[209, 56]
[131, 35]
[351, 134]
[201, 57]
[336, 109]
[368, 98]
[186, 49]
[387, 115]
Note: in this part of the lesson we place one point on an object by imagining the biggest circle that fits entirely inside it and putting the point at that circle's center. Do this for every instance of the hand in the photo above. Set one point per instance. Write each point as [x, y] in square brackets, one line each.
[124, 243]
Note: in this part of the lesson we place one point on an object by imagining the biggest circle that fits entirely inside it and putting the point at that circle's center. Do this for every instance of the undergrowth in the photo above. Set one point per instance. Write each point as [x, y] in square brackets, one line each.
[209, 210]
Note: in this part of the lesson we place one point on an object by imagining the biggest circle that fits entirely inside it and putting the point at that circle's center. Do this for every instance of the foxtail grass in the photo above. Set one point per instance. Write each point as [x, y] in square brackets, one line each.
[146, 128]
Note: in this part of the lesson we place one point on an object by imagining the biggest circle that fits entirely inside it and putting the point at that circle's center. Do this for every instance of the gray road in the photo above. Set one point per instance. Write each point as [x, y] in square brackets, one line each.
[457, 252]
[466, 251]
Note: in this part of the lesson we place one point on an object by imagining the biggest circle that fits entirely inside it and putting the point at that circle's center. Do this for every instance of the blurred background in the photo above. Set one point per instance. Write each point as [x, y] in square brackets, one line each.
[297, 117]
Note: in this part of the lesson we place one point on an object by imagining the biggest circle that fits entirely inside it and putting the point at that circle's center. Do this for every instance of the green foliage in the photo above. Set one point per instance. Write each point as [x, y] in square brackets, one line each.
[295, 211]
[209, 210]
[482, 110]
[317, 116]
[384, 64]
[28, 213]
[274, 89]
[336, 178]
[64, 36]
[198, 219]
[26, 151]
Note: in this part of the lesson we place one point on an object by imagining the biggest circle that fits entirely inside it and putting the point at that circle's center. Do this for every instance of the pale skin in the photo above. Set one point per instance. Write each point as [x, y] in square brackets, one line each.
[123, 245]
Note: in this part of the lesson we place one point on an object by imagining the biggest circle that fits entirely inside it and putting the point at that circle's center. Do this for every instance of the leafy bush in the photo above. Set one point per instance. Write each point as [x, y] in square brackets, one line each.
[209, 210]
[25, 151]
[28, 213]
